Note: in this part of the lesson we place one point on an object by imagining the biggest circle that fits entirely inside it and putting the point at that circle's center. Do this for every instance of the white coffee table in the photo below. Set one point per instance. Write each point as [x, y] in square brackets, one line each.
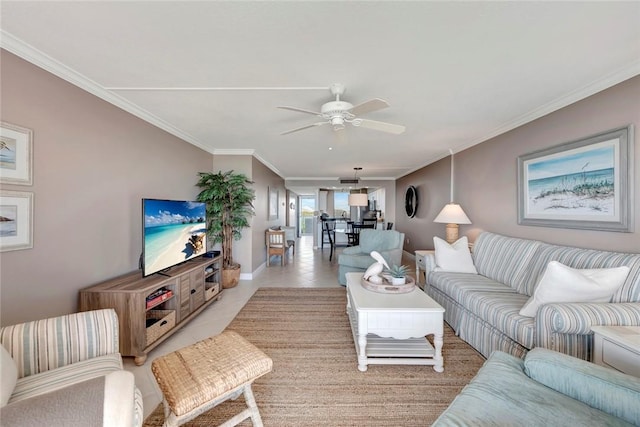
[391, 329]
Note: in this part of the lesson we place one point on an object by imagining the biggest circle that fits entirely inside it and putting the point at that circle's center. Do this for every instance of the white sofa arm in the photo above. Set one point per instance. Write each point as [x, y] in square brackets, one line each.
[429, 264]
[119, 397]
[566, 327]
[42, 345]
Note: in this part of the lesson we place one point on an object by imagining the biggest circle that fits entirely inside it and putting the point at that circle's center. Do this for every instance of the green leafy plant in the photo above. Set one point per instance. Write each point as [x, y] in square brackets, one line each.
[398, 271]
[229, 200]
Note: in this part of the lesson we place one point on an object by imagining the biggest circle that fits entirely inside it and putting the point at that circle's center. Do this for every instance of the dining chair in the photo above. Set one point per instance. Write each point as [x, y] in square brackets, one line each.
[330, 230]
[373, 222]
[276, 245]
[354, 237]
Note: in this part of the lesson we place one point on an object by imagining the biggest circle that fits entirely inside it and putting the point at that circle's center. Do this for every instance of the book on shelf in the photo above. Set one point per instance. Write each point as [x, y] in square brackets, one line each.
[158, 297]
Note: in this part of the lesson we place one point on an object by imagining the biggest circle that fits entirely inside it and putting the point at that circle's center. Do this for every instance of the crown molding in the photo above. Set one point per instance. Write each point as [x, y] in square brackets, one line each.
[27, 52]
[579, 94]
[234, 151]
[246, 152]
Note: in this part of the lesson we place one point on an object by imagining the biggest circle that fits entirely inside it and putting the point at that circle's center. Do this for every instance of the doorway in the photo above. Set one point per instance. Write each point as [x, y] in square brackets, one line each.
[306, 214]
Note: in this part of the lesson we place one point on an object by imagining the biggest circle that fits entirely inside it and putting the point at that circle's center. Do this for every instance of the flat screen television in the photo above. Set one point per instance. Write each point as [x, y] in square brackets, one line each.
[173, 232]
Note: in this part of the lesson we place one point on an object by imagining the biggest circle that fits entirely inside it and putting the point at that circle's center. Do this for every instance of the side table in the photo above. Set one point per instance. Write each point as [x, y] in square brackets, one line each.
[617, 347]
[421, 264]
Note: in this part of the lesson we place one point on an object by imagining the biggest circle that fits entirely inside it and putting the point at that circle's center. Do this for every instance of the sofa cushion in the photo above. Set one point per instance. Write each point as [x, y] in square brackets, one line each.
[504, 258]
[501, 310]
[76, 405]
[586, 259]
[502, 394]
[8, 375]
[560, 283]
[55, 379]
[456, 284]
[453, 257]
[610, 391]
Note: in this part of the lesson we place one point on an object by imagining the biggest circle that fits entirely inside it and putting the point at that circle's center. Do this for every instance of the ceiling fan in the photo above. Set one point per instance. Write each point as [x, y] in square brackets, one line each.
[337, 113]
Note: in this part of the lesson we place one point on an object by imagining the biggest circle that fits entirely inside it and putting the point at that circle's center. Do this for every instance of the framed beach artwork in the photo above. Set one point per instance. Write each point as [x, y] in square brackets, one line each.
[273, 203]
[16, 220]
[583, 184]
[15, 154]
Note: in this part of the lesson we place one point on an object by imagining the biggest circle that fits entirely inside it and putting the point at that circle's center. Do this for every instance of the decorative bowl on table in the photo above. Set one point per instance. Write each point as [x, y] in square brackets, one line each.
[386, 287]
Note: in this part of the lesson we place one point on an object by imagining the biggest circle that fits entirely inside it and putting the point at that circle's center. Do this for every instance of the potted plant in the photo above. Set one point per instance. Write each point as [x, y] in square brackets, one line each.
[398, 274]
[229, 202]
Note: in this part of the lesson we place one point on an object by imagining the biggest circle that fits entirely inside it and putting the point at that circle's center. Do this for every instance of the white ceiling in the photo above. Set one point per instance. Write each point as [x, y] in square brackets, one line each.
[212, 73]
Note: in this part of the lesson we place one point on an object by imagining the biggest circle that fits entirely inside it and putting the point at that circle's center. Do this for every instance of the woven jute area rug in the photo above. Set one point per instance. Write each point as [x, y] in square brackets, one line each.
[315, 379]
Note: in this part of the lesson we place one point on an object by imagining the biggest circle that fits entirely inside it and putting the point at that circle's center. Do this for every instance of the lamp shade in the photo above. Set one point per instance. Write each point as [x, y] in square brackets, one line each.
[452, 214]
[358, 200]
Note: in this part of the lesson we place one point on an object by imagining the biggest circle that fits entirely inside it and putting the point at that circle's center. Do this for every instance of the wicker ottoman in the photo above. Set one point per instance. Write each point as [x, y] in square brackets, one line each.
[196, 378]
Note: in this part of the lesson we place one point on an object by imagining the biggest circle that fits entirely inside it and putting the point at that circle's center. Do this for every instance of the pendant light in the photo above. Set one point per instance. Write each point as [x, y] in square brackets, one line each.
[358, 199]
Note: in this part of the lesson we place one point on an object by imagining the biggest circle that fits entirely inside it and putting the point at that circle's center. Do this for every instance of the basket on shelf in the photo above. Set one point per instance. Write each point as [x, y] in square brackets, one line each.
[159, 322]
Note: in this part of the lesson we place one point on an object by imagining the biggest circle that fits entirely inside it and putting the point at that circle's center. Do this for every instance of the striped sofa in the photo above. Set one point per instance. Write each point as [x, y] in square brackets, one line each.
[483, 309]
[58, 360]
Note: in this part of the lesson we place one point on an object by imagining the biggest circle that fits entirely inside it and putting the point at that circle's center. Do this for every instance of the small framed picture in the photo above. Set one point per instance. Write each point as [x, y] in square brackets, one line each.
[16, 220]
[273, 203]
[16, 155]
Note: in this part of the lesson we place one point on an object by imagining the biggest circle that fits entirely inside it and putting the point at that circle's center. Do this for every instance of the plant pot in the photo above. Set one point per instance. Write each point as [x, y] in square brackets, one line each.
[398, 280]
[230, 277]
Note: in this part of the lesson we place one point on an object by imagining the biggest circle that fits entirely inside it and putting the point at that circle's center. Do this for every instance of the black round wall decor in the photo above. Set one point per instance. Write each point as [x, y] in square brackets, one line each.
[411, 201]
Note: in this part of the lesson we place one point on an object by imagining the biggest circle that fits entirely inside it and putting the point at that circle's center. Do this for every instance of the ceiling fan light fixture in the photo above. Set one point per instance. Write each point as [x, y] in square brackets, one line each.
[337, 122]
[339, 112]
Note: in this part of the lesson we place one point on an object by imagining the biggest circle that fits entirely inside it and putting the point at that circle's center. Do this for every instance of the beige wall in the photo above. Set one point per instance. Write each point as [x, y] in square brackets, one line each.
[265, 178]
[92, 165]
[485, 176]
[250, 251]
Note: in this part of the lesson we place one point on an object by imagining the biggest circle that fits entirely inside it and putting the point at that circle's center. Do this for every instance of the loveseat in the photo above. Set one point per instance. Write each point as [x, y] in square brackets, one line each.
[67, 371]
[547, 388]
[484, 308]
[388, 243]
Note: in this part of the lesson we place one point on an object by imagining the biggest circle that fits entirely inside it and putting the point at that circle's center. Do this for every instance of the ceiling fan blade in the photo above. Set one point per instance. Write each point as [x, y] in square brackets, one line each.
[369, 106]
[381, 126]
[304, 127]
[301, 110]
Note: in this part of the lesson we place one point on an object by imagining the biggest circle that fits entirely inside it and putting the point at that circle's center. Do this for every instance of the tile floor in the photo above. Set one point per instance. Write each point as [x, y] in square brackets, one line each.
[308, 268]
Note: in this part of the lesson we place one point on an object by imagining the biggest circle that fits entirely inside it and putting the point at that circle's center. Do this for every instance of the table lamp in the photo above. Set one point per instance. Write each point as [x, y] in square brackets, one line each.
[452, 214]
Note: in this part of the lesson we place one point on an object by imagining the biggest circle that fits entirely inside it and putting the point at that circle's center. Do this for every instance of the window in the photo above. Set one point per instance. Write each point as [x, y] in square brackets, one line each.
[307, 207]
[341, 204]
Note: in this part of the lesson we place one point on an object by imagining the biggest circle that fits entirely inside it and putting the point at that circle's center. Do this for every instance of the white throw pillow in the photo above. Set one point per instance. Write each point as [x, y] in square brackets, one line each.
[455, 258]
[8, 376]
[560, 283]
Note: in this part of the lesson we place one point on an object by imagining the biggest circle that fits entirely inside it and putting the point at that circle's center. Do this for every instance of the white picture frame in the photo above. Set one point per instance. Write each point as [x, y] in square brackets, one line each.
[16, 154]
[16, 220]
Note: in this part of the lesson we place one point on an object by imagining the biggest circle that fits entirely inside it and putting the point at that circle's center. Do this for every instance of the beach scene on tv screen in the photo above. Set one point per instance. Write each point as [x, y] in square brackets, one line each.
[173, 233]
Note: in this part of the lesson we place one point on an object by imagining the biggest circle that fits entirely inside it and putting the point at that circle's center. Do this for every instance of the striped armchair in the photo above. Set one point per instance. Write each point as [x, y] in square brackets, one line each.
[483, 309]
[71, 356]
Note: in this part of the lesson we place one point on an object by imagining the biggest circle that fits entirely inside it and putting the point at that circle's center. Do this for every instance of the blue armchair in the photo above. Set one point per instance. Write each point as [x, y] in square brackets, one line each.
[388, 243]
